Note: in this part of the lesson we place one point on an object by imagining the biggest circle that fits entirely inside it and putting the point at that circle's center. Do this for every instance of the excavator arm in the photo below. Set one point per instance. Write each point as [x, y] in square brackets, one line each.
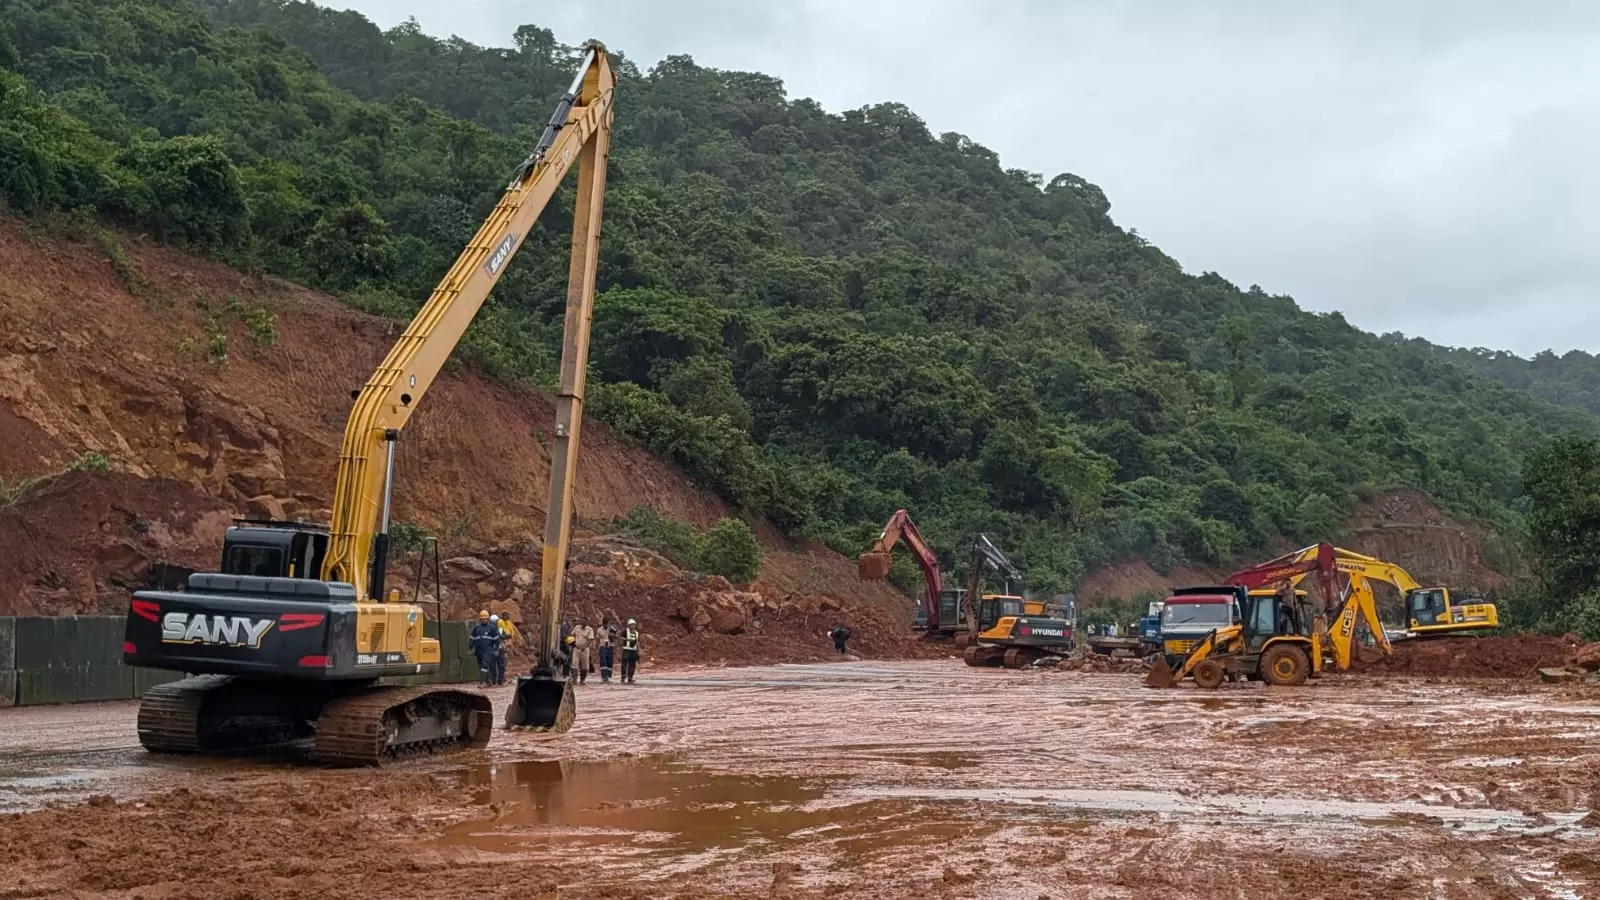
[874, 564]
[985, 552]
[358, 542]
[1358, 604]
[1318, 559]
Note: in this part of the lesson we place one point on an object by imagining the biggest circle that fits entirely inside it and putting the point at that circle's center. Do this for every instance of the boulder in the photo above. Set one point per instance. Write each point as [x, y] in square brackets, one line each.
[266, 506]
[1556, 676]
[722, 612]
[1588, 657]
[471, 566]
[524, 579]
[728, 618]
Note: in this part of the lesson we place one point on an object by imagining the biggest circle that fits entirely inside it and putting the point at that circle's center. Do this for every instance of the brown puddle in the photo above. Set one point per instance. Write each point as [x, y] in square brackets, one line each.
[649, 805]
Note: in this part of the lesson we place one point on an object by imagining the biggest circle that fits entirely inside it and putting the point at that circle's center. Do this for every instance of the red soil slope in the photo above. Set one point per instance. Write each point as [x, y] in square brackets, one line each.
[86, 367]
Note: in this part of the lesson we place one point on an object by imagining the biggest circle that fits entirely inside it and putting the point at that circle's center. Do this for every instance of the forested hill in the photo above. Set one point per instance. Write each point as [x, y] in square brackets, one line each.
[1571, 379]
[824, 316]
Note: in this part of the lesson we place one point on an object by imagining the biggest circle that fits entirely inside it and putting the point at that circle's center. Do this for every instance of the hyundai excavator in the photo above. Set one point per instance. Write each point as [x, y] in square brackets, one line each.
[1429, 611]
[288, 640]
[1239, 631]
[1012, 631]
[940, 613]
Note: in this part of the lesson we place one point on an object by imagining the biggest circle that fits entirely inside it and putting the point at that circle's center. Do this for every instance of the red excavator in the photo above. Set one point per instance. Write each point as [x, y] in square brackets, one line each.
[941, 613]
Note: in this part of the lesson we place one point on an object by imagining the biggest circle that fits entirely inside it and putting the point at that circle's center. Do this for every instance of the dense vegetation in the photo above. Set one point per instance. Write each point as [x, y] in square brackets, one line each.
[823, 316]
[1571, 379]
[1563, 485]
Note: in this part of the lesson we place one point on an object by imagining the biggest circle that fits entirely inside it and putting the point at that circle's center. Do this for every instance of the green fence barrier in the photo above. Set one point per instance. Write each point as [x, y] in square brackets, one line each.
[74, 684]
[8, 644]
[75, 659]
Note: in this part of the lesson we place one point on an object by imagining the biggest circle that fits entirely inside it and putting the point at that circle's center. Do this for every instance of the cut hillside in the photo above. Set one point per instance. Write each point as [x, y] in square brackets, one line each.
[1401, 526]
[88, 370]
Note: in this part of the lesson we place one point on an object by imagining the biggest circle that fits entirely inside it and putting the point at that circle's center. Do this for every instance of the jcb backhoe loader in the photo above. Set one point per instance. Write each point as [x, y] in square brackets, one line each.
[287, 641]
[1230, 631]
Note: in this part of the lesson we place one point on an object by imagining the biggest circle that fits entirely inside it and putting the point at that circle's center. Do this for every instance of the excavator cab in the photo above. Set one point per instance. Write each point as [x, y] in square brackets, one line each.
[1434, 610]
[994, 607]
[949, 609]
[270, 549]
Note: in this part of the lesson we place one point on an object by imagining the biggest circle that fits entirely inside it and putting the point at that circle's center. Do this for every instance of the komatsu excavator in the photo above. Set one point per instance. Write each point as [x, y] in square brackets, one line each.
[1429, 611]
[288, 640]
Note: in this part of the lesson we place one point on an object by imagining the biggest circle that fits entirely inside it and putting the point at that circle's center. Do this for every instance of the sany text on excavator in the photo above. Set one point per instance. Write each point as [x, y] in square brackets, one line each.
[1236, 630]
[288, 640]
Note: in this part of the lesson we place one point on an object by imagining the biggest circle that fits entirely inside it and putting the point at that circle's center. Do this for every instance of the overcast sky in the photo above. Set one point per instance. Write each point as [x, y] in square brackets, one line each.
[1426, 166]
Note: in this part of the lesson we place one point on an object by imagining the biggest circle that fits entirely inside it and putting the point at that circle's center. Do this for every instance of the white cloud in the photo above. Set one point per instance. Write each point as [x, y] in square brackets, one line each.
[1425, 167]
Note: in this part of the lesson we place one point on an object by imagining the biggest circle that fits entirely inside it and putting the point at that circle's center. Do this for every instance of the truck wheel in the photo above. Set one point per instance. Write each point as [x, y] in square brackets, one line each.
[1208, 673]
[1285, 666]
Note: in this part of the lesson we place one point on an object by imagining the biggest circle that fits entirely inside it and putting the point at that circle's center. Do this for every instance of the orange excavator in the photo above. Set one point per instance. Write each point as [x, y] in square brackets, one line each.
[940, 613]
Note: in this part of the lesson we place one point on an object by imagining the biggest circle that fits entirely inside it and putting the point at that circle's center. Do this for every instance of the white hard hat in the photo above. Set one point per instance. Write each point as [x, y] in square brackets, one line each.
[494, 618]
[632, 622]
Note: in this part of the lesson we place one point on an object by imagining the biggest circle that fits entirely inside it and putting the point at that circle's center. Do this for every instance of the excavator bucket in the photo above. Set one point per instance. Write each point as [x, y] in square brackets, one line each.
[542, 703]
[1160, 674]
[874, 565]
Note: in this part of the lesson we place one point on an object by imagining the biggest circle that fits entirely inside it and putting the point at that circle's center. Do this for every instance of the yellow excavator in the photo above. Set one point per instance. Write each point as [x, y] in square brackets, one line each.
[1010, 630]
[288, 641]
[1429, 611]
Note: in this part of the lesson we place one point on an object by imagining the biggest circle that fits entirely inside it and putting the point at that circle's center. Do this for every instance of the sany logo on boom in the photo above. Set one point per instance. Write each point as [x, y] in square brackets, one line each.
[222, 631]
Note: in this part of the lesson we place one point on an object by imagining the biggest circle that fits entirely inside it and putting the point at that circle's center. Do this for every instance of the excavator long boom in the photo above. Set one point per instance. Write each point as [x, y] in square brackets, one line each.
[358, 543]
[874, 564]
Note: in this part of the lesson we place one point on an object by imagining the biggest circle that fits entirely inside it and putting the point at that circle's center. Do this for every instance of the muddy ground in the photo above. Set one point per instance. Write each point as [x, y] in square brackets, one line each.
[876, 780]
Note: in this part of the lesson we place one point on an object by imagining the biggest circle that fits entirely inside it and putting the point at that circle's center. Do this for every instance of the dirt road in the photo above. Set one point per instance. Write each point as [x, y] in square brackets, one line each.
[862, 780]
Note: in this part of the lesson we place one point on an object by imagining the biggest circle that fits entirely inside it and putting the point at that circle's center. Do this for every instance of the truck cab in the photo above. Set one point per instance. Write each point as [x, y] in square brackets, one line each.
[1191, 613]
[1150, 624]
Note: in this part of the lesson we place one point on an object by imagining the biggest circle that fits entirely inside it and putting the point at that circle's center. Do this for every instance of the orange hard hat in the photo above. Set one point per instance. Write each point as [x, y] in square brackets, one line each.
[483, 614]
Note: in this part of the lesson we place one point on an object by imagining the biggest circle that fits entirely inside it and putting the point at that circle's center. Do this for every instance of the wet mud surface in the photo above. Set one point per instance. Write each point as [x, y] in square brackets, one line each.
[869, 780]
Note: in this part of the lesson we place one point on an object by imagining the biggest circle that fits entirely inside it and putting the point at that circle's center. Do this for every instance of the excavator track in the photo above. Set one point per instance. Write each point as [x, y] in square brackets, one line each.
[169, 714]
[387, 723]
[220, 714]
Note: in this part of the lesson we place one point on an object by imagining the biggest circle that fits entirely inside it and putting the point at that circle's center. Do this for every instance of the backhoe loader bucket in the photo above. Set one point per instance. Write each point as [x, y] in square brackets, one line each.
[542, 703]
[874, 565]
[1160, 674]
